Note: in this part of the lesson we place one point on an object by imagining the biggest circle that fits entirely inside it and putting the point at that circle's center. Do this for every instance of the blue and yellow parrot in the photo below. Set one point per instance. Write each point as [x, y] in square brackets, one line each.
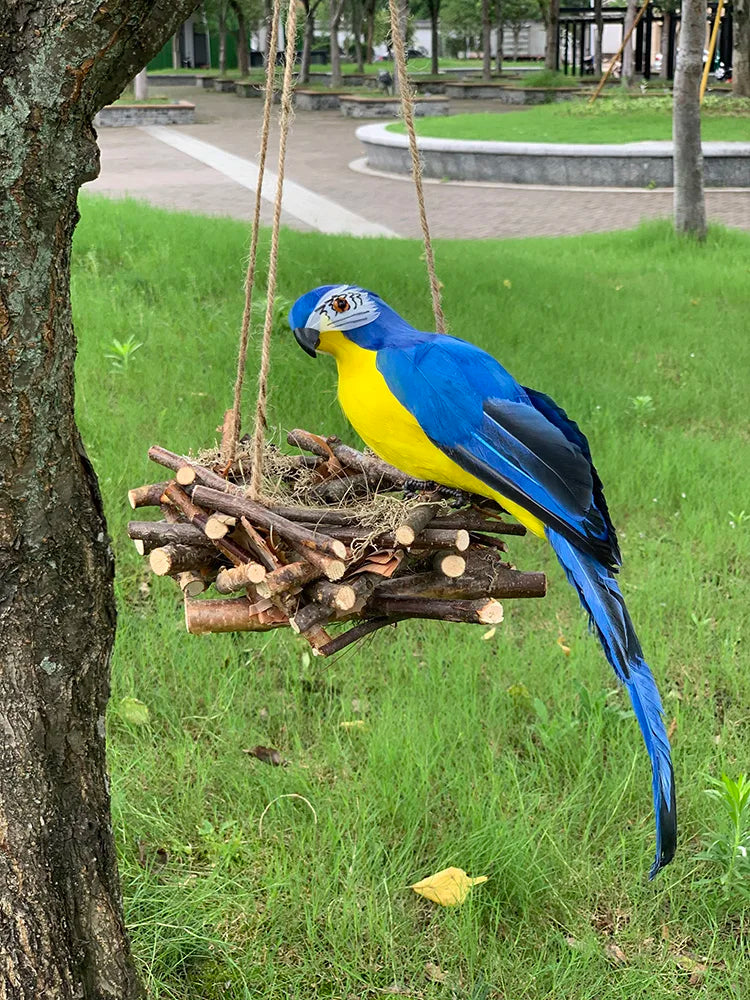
[441, 409]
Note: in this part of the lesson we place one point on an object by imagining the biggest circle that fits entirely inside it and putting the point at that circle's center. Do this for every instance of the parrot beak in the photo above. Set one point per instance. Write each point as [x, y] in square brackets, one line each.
[308, 339]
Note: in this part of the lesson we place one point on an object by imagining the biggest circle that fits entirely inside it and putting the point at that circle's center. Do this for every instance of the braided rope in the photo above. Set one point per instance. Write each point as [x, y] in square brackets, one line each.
[407, 110]
[273, 258]
[234, 430]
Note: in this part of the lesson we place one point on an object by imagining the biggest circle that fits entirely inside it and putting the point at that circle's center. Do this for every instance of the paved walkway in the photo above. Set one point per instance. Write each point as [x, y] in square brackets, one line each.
[138, 162]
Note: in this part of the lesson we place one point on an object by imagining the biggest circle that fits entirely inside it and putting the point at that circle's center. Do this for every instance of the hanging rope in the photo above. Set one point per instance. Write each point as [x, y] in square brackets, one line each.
[273, 257]
[407, 109]
[233, 432]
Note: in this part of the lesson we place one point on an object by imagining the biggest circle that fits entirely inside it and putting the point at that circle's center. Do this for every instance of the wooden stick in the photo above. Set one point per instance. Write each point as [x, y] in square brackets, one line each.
[259, 547]
[153, 534]
[329, 567]
[620, 51]
[448, 564]
[469, 520]
[311, 615]
[369, 465]
[146, 496]
[485, 611]
[356, 633]
[229, 581]
[254, 512]
[175, 558]
[233, 615]
[414, 522]
[203, 475]
[429, 538]
[292, 575]
[340, 596]
[477, 581]
[185, 475]
[177, 496]
[191, 584]
[489, 541]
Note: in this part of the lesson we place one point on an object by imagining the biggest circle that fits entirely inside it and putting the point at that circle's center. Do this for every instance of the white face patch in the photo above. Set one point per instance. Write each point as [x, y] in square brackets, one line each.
[343, 308]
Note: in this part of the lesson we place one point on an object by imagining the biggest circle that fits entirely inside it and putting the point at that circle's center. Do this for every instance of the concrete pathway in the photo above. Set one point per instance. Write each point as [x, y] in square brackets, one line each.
[209, 167]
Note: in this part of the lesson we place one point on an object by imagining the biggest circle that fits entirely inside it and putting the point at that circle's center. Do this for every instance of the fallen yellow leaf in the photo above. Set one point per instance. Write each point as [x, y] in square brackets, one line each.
[354, 724]
[448, 887]
[490, 634]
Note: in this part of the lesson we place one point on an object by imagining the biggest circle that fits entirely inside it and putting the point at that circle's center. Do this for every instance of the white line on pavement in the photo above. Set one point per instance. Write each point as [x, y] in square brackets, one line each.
[313, 209]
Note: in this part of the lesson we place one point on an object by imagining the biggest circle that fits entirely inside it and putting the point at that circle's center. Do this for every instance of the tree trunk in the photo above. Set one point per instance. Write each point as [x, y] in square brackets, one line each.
[434, 37]
[486, 41]
[176, 50]
[336, 9]
[689, 200]
[598, 37]
[307, 43]
[222, 46]
[357, 32]
[628, 61]
[664, 48]
[741, 48]
[551, 21]
[369, 17]
[500, 31]
[61, 923]
[516, 40]
[243, 56]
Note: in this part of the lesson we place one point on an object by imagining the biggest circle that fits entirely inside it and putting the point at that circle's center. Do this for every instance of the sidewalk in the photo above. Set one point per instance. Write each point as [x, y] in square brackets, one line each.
[321, 147]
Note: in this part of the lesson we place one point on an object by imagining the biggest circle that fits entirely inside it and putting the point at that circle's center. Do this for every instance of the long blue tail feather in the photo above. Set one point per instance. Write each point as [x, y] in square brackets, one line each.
[601, 597]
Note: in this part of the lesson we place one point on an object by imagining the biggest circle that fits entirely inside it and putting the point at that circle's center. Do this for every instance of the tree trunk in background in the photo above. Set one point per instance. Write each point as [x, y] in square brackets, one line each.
[61, 923]
[222, 45]
[598, 37]
[369, 17]
[357, 32]
[500, 30]
[176, 50]
[741, 48]
[664, 48]
[486, 41]
[516, 40]
[628, 59]
[336, 8]
[551, 20]
[243, 56]
[307, 43]
[434, 8]
[689, 200]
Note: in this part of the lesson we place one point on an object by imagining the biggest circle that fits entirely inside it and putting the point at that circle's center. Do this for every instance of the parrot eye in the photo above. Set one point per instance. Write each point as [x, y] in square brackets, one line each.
[340, 304]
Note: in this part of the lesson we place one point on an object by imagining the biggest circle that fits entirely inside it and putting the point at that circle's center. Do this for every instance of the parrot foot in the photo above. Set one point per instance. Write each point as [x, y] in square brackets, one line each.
[454, 497]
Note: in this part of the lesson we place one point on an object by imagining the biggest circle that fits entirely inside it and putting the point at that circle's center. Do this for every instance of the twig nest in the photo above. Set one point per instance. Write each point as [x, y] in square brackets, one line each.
[338, 537]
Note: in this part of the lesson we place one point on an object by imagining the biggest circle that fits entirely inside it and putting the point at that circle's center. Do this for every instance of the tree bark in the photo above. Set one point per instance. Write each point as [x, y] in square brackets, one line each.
[61, 923]
[664, 48]
[741, 48]
[357, 33]
[628, 61]
[370, 6]
[486, 41]
[551, 19]
[243, 56]
[307, 41]
[500, 32]
[689, 199]
[336, 10]
[598, 37]
[434, 8]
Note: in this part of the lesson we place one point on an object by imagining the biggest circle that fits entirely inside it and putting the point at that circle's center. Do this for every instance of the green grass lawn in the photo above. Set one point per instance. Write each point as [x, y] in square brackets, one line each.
[501, 755]
[613, 119]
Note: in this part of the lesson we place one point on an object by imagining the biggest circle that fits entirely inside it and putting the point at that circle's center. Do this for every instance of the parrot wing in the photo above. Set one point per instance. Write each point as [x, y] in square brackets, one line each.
[519, 443]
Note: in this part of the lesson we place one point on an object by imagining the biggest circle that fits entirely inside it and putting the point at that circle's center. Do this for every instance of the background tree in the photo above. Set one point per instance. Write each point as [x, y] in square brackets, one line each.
[486, 40]
[500, 32]
[517, 13]
[689, 199]
[741, 48]
[61, 922]
[598, 37]
[335, 10]
[243, 53]
[627, 73]
[308, 39]
[550, 11]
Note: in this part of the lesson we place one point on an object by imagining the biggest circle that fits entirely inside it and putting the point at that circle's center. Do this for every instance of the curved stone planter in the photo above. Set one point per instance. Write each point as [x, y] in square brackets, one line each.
[475, 90]
[223, 84]
[349, 79]
[318, 100]
[123, 115]
[390, 107]
[636, 165]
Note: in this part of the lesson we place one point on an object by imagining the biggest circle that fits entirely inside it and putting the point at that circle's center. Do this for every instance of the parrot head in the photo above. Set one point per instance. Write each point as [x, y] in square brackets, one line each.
[322, 316]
